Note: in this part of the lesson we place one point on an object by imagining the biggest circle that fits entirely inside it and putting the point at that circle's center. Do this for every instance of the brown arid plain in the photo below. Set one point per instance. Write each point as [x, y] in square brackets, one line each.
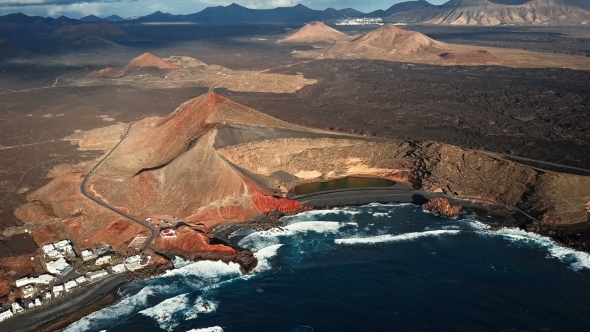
[396, 104]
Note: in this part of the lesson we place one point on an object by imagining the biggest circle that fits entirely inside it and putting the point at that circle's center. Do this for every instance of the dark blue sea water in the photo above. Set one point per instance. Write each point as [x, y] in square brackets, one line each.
[370, 268]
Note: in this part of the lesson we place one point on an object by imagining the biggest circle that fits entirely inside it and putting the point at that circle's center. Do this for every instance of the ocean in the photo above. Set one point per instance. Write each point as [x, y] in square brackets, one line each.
[376, 267]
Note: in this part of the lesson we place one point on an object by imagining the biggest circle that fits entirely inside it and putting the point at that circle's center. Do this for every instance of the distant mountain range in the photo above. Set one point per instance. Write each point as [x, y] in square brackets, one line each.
[454, 12]
[498, 12]
[96, 19]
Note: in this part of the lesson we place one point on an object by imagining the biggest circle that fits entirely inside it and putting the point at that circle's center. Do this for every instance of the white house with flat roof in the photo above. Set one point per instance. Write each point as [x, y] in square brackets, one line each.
[81, 280]
[87, 255]
[96, 275]
[70, 284]
[133, 263]
[59, 266]
[16, 308]
[103, 260]
[48, 248]
[5, 315]
[38, 302]
[57, 290]
[44, 279]
[119, 268]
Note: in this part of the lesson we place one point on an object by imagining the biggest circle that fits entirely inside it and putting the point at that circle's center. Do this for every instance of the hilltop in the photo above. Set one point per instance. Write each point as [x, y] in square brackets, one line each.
[397, 40]
[149, 61]
[393, 43]
[315, 32]
[150, 71]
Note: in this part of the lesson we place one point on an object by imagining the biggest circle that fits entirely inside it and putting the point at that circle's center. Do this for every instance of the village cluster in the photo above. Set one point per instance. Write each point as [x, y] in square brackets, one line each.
[361, 21]
[61, 261]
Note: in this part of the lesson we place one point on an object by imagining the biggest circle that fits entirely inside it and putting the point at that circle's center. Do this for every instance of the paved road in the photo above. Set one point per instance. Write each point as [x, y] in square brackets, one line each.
[153, 231]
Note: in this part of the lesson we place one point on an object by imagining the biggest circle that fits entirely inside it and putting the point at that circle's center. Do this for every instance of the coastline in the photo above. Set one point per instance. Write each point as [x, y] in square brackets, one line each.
[69, 308]
[91, 298]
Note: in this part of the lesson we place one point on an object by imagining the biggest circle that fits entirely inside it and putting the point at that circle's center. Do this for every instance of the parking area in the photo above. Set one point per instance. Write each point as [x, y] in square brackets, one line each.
[163, 221]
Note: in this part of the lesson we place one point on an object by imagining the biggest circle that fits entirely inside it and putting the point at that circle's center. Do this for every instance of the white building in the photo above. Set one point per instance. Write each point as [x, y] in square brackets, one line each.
[16, 308]
[57, 290]
[62, 244]
[5, 315]
[133, 263]
[54, 254]
[96, 275]
[119, 268]
[37, 302]
[29, 291]
[59, 266]
[87, 255]
[48, 296]
[81, 280]
[70, 284]
[31, 305]
[103, 260]
[48, 248]
[44, 279]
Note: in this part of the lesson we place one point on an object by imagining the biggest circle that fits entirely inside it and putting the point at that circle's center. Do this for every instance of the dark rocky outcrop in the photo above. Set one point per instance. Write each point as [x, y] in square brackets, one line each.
[442, 207]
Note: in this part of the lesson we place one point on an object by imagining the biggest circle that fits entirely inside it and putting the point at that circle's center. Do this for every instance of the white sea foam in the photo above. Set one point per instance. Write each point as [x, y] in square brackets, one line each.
[263, 255]
[169, 312]
[164, 311]
[380, 214]
[123, 308]
[395, 238]
[207, 271]
[578, 260]
[317, 214]
[208, 329]
[202, 274]
[263, 239]
[180, 262]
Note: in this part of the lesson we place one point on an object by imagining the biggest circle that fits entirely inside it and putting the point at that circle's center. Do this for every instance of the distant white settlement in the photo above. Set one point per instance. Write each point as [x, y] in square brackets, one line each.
[361, 21]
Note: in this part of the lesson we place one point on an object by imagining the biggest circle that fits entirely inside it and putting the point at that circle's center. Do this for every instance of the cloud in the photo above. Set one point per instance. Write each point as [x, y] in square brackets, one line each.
[17, 3]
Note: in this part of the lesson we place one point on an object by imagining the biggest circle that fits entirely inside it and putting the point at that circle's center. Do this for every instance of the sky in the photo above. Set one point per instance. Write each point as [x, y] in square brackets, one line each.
[128, 8]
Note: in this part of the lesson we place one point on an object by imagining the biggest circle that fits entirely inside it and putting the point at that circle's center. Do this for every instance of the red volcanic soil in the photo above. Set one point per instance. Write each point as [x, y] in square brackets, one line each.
[148, 60]
[315, 32]
[190, 241]
[391, 37]
[109, 72]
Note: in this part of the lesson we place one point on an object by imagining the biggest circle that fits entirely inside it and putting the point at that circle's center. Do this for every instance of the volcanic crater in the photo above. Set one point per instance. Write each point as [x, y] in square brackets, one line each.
[213, 162]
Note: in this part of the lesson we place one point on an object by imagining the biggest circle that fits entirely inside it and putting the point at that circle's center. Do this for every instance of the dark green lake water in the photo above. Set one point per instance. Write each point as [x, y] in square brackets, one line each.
[345, 183]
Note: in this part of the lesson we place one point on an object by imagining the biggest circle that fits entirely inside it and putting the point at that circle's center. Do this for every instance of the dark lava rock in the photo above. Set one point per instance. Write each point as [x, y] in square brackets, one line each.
[441, 207]
[247, 261]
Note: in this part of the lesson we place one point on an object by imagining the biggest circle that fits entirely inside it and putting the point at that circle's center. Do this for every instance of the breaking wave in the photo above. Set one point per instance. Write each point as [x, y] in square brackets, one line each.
[208, 329]
[180, 295]
[170, 312]
[395, 238]
[577, 260]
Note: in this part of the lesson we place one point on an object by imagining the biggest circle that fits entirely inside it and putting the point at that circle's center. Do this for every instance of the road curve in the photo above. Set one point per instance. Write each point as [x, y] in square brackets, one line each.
[153, 231]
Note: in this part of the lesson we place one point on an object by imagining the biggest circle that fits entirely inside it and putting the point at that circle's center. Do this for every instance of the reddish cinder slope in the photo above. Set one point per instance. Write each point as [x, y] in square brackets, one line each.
[314, 32]
[150, 61]
[165, 165]
[109, 72]
[169, 165]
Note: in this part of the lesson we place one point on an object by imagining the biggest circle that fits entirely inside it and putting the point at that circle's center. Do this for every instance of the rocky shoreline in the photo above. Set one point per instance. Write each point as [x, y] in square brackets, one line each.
[497, 216]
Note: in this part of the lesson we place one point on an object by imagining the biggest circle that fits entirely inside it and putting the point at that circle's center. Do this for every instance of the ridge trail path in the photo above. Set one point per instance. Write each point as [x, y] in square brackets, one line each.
[153, 231]
[55, 83]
